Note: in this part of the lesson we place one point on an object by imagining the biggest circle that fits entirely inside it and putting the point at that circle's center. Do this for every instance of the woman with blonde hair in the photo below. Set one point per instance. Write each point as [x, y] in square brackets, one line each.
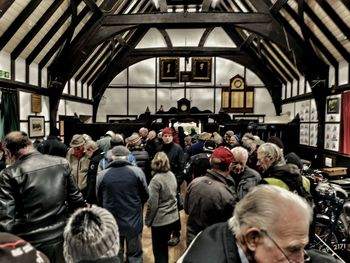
[162, 211]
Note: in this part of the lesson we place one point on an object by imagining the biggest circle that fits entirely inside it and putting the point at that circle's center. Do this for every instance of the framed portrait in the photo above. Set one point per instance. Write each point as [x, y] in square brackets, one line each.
[169, 69]
[201, 69]
[36, 126]
[333, 105]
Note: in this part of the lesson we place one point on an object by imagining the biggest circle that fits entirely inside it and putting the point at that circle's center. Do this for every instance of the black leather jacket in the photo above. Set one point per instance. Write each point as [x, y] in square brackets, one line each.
[35, 193]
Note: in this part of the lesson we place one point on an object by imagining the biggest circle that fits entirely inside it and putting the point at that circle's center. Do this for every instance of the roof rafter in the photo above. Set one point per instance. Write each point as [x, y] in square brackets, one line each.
[4, 5]
[12, 29]
[335, 17]
[36, 28]
[93, 7]
[327, 32]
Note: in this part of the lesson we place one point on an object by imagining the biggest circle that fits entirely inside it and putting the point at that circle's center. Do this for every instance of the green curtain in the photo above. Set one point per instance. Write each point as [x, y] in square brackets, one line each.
[9, 119]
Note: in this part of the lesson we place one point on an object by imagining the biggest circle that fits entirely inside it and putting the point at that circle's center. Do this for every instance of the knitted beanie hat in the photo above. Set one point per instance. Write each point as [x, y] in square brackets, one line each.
[90, 234]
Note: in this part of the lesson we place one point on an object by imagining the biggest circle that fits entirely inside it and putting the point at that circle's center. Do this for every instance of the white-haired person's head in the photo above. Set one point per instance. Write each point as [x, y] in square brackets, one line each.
[270, 218]
[240, 158]
[269, 154]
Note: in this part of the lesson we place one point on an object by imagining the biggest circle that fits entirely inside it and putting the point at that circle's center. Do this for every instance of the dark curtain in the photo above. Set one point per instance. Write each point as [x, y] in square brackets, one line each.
[9, 119]
[345, 123]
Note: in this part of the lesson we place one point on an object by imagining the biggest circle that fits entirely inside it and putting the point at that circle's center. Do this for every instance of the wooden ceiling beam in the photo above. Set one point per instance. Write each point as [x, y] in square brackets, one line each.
[335, 17]
[259, 23]
[346, 3]
[186, 52]
[267, 56]
[179, 20]
[119, 63]
[205, 36]
[53, 30]
[340, 48]
[18, 22]
[312, 36]
[118, 51]
[277, 6]
[166, 37]
[93, 7]
[285, 63]
[90, 60]
[4, 5]
[35, 29]
[63, 38]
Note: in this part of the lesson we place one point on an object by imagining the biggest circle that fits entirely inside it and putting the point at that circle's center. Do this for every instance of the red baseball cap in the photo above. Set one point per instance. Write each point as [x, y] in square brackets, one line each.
[224, 154]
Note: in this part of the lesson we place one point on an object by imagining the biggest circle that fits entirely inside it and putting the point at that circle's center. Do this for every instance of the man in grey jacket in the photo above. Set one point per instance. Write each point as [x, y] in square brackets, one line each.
[245, 178]
[211, 198]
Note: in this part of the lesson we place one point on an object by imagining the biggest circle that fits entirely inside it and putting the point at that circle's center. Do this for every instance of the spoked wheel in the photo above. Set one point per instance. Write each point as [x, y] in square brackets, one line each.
[337, 244]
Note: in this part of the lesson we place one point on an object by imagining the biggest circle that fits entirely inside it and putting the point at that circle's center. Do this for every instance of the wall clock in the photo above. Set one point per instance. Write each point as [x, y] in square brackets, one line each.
[238, 83]
[183, 105]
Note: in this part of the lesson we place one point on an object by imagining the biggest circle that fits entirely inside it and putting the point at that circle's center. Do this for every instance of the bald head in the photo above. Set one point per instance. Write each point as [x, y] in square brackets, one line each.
[16, 142]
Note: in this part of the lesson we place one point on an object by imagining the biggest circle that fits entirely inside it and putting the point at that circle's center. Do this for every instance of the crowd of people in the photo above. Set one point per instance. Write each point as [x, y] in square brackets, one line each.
[90, 201]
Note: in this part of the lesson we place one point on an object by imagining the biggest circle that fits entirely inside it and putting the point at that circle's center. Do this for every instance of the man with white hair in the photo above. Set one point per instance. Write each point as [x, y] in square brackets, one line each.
[245, 178]
[143, 132]
[275, 171]
[270, 224]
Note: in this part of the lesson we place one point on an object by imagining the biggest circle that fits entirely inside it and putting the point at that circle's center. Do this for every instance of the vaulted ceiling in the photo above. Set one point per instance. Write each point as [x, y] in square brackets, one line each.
[92, 41]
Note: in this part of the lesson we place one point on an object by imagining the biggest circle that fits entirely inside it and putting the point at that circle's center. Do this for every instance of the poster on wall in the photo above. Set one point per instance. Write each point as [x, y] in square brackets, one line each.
[303, 108]
[304, 134]
[331, 141]
[313, 111]
[313, 134]
[333, 108]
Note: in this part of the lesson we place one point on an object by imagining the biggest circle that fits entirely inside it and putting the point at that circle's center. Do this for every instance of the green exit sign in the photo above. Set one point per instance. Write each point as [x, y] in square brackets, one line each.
[5, 74]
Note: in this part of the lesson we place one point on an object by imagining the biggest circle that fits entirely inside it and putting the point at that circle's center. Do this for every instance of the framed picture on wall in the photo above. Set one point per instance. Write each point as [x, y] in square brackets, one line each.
[201, 69]
[36, 126]
[169, 69]
[332, 105]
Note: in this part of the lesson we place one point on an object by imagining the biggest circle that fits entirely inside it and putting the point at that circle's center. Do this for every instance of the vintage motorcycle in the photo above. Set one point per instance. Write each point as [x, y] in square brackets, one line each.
[332, 217]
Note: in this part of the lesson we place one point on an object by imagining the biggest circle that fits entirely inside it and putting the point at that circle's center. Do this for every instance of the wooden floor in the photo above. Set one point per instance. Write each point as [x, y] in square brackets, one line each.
[174, 252]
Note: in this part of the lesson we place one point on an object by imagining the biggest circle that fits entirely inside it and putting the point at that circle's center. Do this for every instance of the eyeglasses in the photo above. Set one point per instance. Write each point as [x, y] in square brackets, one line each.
[306, 256]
